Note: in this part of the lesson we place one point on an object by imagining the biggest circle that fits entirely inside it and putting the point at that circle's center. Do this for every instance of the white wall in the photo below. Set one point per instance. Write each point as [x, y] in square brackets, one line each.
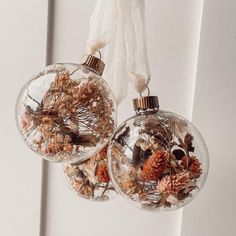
[192, 56]
[23, 39]
[213, 212]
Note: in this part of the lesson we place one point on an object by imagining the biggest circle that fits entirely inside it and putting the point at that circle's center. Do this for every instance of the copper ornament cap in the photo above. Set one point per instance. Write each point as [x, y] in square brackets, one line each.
[95, 64]
[145, 103]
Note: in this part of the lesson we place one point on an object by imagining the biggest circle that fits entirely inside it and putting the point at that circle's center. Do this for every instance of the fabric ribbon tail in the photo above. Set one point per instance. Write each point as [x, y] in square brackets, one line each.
[101, 25]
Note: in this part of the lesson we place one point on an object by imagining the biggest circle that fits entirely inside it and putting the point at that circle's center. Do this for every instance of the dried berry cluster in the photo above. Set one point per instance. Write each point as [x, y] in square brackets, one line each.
[73, 115]
[163, 171]
[90, 179]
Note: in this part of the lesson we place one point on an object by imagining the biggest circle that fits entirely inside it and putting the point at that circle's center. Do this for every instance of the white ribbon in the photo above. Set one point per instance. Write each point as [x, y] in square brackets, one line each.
[119, 27]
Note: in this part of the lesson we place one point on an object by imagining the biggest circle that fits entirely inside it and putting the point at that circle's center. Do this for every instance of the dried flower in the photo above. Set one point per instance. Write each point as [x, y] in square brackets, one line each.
[173, 184]
[102, 173]
[155, 166]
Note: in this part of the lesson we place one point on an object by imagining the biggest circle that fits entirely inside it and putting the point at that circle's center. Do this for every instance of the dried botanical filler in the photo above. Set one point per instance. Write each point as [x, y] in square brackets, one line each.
[90, 179]
[157, 159]
[67, 112]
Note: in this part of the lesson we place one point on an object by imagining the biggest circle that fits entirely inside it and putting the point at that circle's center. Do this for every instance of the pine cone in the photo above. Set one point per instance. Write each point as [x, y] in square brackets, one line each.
[173, 184]
[102, 173]
[193, 165]
[154, 167]
[195, 168]
[103, 153]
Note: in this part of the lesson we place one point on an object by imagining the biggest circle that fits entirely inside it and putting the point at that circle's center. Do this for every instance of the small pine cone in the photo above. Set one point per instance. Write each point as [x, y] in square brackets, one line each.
[103, 153]
[154, 167]
[173, 184]
[193, 165]
[102, 173]
[195, 168]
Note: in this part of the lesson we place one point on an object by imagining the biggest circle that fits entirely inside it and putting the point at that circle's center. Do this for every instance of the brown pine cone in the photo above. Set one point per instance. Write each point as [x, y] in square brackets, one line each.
[173, 184]
[103, 153]
[195, 168]
[154, 167]
[102, 173]
[193, 165]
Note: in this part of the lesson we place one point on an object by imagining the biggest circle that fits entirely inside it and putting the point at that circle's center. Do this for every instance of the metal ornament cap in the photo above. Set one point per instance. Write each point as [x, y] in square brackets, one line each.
[95, 64]
[145, 103]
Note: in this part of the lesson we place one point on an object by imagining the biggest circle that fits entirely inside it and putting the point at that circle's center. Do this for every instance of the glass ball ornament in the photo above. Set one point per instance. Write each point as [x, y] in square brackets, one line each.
[89, 179]
[158, 160]
[67, 112]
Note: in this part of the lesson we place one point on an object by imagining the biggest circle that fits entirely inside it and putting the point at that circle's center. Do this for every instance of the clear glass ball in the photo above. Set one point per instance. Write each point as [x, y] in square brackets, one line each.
[158, 160]
[90, 179]
[66, 113]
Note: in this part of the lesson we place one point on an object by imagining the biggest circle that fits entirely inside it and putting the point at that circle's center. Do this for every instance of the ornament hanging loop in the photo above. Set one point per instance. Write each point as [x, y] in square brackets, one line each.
[97, 52]
[148, 92]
